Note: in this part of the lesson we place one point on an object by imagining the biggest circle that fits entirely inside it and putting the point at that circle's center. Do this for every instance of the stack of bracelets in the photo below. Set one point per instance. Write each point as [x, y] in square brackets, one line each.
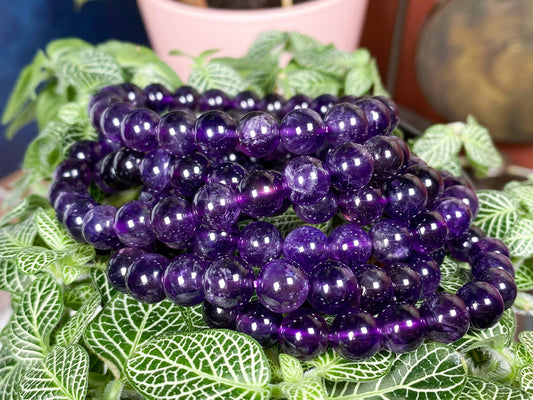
[207, 165]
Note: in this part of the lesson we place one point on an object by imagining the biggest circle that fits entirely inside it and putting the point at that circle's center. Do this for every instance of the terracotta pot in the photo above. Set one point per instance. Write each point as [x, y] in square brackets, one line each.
[172, 25]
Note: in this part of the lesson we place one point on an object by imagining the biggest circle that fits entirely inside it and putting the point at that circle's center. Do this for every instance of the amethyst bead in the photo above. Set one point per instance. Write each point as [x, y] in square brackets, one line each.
[307, 179]
[388, 156]
[323, 103]
[376, 287]
[227, 173]
[260, 323]
[350, 244]
[59, 187]
[361, 206]
[173, 221]
[217, 317]
[391, 240]
[187, 97]
[428, 270]
[406, 196]
[306, 246]
[258, 134]
[402, 327]
[346, 122]
[98, 228]
[457, 215]
[303, 334]
[378, 116]
[182, 281]
[105, 176]
[259, 243]
[112, 118]
[484, 303]
[158, 98]
[282, 286]
[492, 260]
[216, 207]
[86, 151]
[261, 193]
[272, 103]
[466, 195]
[245, 101]
[133, 226]
[302, 131]
[155, 168]
[213, 244]
[138, 130]
[460, 247]
[97, 105]
[214, 133]
[351, 166]
[431, 179]
[405, 281]
[74, 215]
[486, 245]
[127, 166]
[317, 213]
[144, 278]
[133, 94]
[393, 110]
[73, 170]
[65, 200]
[214, 99]
[119, 264]
[429, 232]
[296, 102]
[175, 133]
[447, 318]
[189, 173]
[503, 282]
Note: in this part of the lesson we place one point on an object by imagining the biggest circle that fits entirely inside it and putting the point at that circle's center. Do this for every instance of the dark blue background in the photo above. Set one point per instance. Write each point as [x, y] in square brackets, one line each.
[28, 25]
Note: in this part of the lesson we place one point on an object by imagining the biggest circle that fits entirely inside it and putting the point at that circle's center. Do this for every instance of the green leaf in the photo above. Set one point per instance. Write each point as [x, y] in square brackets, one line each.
[9, 369]
[522, 192]
[379, 88]
[12, 280]
[263, 80]
[78, 295]
[26, 116]
[101, 283]
[267, 44]
[216, 76]
[59, 47]
[519, 238]
[526, 338]
[476, 389]
[73, 330]
[291, 368]
[488, 363]
[286, 222]
[307, 389]
[521, 354]
[498, 213]
[300, 43]
[431, 372]
[526, 379]
[48, 104]
[72, 112]
[126, 323]
[330, 60]
[31, 260]
[35, 318]
[439, 147]
[479, 147]
[62, 375]
[23, 209]
[213, 364]
[14, 238]
[358, 81]
[333, 367]
[146, 75]
[50, 231]
[309, 82]
[453, 275]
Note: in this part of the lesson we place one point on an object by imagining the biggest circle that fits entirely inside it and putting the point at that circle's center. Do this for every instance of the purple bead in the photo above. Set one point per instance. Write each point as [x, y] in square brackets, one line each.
[451, 180]
[405, 281]
[105, 176]
[388, 156]
[259, 243]
[351, 166]
[333, 288]
[155, 168]
[272, 103]
[350, 245]
[346, 122]
[376, 287]
[214, 99]
[503, 282]
[260, 323]
[59, 187]
[391, 240]
[175, 133]
[73, 170]
[108, 146]
[65, 200]
[492, 260]
[245, 101]
[228, 283]
[133, 94]
[306, 246]
[144, 279]
[213, 244]
[429, 232]
[282, 286]
[86, 151]
[112, 118]
[214, 133]
[302, 131]
[466, 195]
[296, 102]
[361, 206]
[393, 110]
[484, 303]
[97, 105]
[227, 173]
[378, 116]
[189, 173]
[406, 196]
[317, 213]
[182, 281]
[133, 226]
[303, 334]
[402, 327]
[457, 215]
[187, 97]
[261, 193]
[138, 130]
[73, 217]
[431, 179]
[307, 179]
[173, 221]
[354, 335]
[447, 318]
[127, 166]
[258, 134]
[158, 98]
[486, 245]
[405, 150]
[98, 228]
[428, 271]
[323, 103]
[217, 317]
[460, 247]
[439, 255]
[216, 206]
[119, 264]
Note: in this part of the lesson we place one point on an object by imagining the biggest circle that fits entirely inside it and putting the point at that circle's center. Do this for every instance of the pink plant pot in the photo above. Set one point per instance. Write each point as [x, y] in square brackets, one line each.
[172, 25]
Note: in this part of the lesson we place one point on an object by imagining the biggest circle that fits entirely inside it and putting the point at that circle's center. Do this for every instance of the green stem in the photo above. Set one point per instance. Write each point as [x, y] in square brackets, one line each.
[113, 390]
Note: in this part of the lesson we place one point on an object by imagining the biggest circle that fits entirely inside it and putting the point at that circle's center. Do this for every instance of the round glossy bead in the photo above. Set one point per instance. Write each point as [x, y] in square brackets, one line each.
[376, 287]
[492, 260]
[451, 180]
[302, 131]
[182, 281]
[486, 245]
[175, 133]
[261, 193]
[406, 282]
[439, 255]
[138, 130]
[260, 323]
[272, 103]
[405, 150]
[406, 196]
[303, 334]
[108, 146]
[154, 169]
[282, 286]
[361, 206]
[332, 288]
[307, 179]
[429, 232]
[133, 226]
[484, 303]
[213, 244]
[75, 189]
[214, 133]
[377, 114]
[86, 151]
[105, 176]
[217, 317]
[65, 200]
[460, 247]
[350, 244]
[119, 264]
[306, 246]
[73, 217]
[127, 166]
[144, 279]
[73, 170]
[402, 327]
[158, 98]
[259, 243]
[391, 240]
[351, 166]
[428, 271]
[447, 318]
[431, 179]
[214, 99]
[388, 156]
[323, 103]
[503, 282]
[354, 335]
[97, 106]
[189, 173]
[258, 134]
[228, 283]
[187, 97]
[393, 110]
[346, 122]
[98, 228]
[112, 118]
[245, 101]
[457, 215]
[318, 213]
[216, 206]
[133, 94]
[466, 195]
[296, 102]
[227, 173]
[173, 221]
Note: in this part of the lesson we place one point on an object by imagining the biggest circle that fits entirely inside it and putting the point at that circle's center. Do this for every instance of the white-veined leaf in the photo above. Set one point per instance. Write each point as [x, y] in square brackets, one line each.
[62, 375]
[31, 260]
[522, 192]
[498, 213]
[77, 295]
[213, 364]
[9, 367]
[57, 48]
[310, 82]
[519, 238]
[267, 44]
[12, 280]
[34, 319]
[526, 338]
[71, 113]
[13, 238]
[359, 80]
[331, 60]
[286, 222]
[101, 283]
[307, 389]
[300, 43]
[477, 389]
[526, 379]
[28, 204]
[148, 74]
[453, 275]
[439, 147]
[50, 231]
[78, 254]
[521, 355]
[291, 368]
[215, 75]
[523, 274]
[487, 363]
[73, 330]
